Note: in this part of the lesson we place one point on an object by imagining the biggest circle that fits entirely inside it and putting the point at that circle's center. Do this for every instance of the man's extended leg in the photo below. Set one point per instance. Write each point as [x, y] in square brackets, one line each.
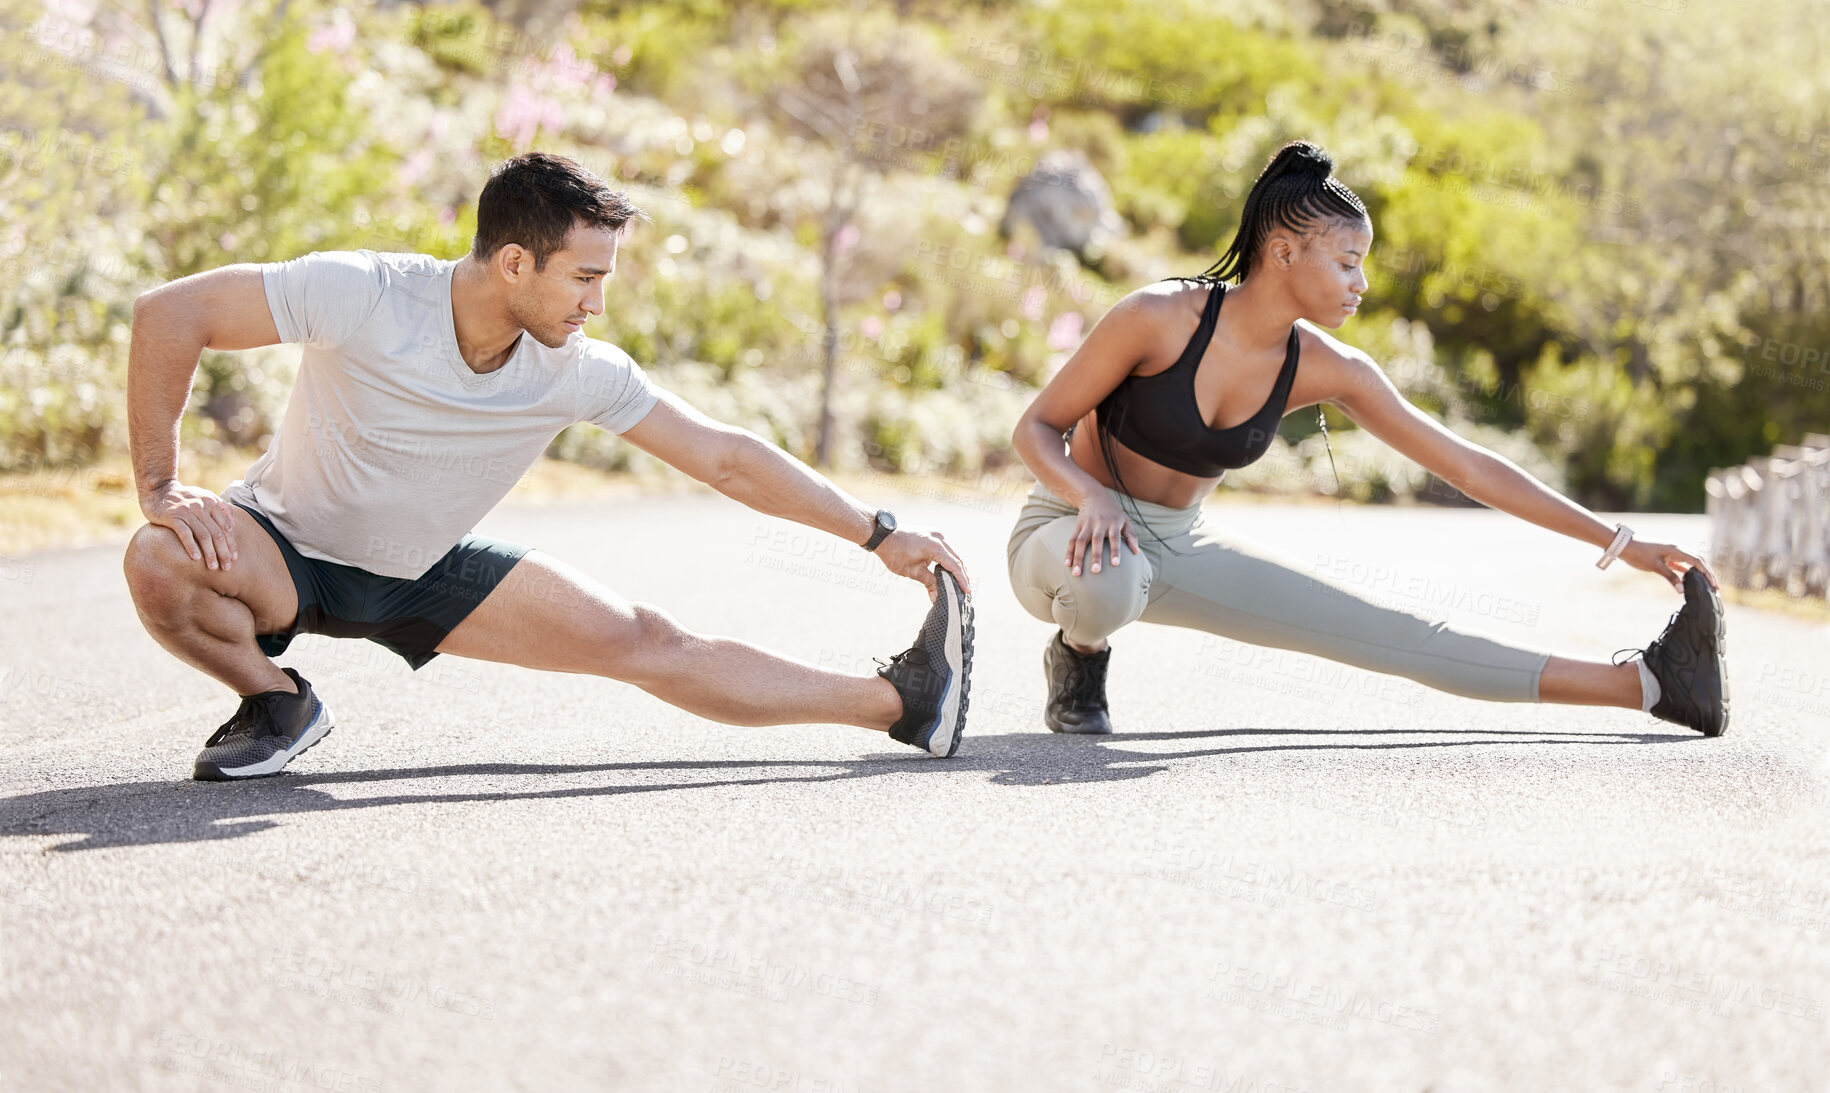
[208, 618]
[547, 615]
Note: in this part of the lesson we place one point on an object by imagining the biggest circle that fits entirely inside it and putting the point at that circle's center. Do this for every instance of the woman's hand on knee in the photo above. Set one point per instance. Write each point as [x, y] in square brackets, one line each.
[1098, 533]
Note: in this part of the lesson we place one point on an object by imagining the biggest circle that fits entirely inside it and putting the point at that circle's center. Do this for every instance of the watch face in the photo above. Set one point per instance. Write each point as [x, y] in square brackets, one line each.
[886, 520]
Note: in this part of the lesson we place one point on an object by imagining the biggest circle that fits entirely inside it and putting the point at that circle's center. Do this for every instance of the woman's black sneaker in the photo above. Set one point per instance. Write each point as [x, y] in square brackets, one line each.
[1688, 661]
[933, 675]
[263, 736]
[1076, 689]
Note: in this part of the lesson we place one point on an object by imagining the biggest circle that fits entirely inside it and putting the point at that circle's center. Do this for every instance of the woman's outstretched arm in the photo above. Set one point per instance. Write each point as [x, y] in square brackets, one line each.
[1363, 393]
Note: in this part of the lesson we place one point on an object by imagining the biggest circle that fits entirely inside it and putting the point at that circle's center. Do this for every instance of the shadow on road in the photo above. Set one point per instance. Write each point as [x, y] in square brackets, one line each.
[151, 813]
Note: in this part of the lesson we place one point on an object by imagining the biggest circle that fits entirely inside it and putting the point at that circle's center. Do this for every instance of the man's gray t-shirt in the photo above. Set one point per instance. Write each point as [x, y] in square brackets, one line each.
[392, 449]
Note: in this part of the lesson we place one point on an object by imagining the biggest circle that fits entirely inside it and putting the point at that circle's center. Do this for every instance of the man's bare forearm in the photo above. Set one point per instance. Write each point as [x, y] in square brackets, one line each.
[769, 480]
[161, 363]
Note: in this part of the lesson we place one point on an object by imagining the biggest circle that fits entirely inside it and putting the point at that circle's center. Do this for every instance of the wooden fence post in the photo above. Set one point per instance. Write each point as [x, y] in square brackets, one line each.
[1770, 519]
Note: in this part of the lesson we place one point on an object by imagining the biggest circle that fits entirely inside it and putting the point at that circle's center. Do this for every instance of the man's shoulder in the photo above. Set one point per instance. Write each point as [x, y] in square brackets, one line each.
[406, 263]
[380, 268]
[417, 274]
[594, 353]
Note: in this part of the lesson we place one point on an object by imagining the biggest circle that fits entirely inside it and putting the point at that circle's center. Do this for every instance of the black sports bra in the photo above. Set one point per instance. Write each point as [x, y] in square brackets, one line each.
[1158, 418]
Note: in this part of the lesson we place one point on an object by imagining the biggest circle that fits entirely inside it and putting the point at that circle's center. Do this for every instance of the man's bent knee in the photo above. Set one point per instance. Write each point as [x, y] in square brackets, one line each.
[159, 571]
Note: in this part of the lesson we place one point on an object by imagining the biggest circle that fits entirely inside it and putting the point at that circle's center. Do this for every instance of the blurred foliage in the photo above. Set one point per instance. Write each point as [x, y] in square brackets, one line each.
[1602, 229]
[68, 173]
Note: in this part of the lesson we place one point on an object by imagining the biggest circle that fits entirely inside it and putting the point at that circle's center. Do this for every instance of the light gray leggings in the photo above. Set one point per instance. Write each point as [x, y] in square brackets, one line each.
[1206, 583]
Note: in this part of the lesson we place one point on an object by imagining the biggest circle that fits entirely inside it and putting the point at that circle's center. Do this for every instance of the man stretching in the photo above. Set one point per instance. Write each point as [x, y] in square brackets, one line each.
[426, 391]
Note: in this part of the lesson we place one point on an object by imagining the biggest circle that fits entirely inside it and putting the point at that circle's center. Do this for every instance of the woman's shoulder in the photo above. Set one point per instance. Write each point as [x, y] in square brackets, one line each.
[1319, 345]
[1164, 300]
[1333, 369]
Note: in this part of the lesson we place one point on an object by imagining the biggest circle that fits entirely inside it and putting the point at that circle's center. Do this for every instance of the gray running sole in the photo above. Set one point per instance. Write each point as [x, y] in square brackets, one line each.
[318, 729]
[945, 739]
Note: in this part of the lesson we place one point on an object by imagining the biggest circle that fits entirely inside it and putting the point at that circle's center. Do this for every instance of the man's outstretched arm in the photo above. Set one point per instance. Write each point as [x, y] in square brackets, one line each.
[747, 468]
[172, 326]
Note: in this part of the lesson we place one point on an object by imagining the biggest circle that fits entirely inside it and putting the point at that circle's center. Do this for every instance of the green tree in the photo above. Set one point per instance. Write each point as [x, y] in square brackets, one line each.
[878, 95]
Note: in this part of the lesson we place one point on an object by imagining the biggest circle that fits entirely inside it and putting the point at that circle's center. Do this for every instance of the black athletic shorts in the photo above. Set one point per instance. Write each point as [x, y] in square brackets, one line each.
[408, 616]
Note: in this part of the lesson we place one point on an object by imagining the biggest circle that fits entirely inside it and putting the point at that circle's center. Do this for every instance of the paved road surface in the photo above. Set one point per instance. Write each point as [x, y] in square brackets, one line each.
[1280, 877]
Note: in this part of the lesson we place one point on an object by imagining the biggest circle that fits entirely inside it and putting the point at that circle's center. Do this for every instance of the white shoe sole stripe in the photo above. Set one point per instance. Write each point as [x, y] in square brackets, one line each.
[313, 733]
[948, 730]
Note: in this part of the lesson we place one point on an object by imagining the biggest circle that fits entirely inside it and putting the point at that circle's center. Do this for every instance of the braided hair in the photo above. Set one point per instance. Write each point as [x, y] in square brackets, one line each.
[1296, 191]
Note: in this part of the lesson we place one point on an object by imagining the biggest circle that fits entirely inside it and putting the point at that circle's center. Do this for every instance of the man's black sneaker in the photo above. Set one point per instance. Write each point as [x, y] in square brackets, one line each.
[1076, 689]
[1688, 661]
[933, 675]
[263, 736]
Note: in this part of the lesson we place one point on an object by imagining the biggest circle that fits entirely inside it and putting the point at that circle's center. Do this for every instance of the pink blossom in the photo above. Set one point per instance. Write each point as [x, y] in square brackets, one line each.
[336, 37]
[1033, 301]
[872, 327]
[536, 102]
[1038, 125]
[1064, 332]
[416, 165]
[523, 114]
[76, 12]
[892, 300]
[563, 71]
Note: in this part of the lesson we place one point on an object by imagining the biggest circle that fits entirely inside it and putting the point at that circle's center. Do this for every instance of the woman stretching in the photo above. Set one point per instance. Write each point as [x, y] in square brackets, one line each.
[1171, 389]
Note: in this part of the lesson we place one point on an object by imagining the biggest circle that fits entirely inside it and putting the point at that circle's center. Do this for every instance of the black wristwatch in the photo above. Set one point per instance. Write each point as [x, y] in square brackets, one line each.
[885, 523]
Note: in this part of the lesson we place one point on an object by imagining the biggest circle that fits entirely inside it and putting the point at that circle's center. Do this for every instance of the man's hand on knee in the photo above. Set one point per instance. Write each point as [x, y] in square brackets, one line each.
[203, 522]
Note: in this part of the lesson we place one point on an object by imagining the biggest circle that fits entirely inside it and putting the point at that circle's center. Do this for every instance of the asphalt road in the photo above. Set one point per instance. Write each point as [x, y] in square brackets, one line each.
[1279, 876]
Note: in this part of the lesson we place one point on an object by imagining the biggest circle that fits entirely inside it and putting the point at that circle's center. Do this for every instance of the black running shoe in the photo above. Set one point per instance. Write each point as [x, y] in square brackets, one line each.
[1688, 661]
[263, 736]
[1076, 689]
[934, 674]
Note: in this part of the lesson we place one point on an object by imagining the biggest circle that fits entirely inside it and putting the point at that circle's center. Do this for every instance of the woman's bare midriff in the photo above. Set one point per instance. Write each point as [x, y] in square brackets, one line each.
[1145, 479]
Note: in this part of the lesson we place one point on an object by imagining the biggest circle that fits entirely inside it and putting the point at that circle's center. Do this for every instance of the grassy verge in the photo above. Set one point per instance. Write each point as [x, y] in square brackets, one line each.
[71, 507]
[1775, 599]
[77, 506]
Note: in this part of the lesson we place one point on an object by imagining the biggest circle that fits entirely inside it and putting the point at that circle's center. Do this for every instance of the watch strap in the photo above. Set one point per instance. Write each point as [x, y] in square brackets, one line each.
[879, 531]
[1622, 536]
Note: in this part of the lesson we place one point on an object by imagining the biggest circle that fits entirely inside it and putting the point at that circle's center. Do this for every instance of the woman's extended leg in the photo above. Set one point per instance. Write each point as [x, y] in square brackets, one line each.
[1591, 683]
[1209, 582]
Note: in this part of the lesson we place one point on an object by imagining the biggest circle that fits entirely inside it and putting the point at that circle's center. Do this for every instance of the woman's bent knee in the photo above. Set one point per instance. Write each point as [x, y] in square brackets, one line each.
[1093, 606]
[1087, 607]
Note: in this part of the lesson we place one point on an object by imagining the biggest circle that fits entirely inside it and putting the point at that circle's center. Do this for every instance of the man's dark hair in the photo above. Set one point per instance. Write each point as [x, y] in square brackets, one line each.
[534, 200]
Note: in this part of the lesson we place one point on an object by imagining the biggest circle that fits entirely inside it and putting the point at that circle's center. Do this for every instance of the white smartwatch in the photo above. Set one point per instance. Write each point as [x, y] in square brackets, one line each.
[1622, 536]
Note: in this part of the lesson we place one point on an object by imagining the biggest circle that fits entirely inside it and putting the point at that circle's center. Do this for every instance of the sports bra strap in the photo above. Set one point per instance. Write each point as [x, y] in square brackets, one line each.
[1204, 331]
